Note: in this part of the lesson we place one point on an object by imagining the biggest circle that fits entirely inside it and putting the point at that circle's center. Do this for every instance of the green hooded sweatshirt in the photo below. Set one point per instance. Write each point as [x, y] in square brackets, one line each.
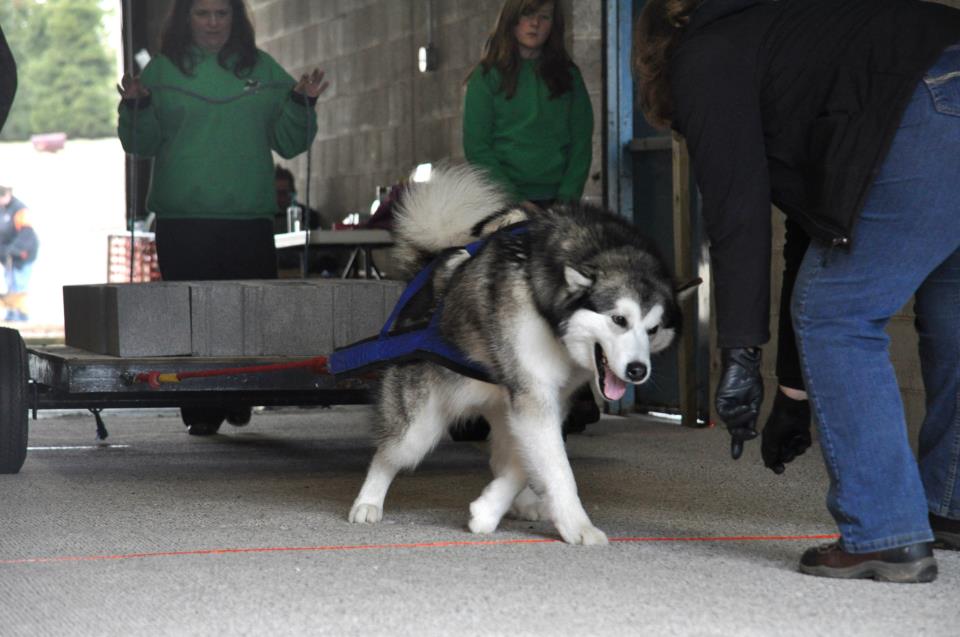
[537, 147]
[211, 133]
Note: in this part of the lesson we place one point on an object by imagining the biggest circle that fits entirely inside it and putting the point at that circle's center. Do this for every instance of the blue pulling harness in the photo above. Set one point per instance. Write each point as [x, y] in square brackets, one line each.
[425, 343]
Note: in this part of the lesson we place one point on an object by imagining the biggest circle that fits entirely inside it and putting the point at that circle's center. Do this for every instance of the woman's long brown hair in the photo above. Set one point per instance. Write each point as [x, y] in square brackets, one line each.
[656, 32]
[176, 41]
[502, 52]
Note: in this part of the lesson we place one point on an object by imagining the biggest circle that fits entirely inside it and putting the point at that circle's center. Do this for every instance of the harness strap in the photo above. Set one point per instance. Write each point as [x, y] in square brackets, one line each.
[418, 344]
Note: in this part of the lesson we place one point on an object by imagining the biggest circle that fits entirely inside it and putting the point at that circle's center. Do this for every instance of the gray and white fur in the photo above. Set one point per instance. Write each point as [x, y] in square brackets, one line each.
[579, 297]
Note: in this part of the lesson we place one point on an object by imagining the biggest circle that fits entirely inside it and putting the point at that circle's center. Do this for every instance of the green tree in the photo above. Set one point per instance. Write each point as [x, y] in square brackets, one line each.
[71, 80]
[22, 22]
[65, 72]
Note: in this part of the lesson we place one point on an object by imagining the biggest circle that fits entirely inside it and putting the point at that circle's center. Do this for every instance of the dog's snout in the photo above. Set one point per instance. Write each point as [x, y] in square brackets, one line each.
[636, 371]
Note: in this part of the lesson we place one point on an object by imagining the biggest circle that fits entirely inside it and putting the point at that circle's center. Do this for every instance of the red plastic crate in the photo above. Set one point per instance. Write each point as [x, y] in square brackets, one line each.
[145, 265]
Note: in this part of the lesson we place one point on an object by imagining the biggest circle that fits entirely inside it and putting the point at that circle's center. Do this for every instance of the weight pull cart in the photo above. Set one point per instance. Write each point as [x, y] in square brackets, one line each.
[61, 377]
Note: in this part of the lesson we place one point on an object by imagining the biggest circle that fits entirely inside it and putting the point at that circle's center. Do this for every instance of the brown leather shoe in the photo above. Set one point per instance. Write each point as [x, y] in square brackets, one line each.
[904, 564]
[946, 532]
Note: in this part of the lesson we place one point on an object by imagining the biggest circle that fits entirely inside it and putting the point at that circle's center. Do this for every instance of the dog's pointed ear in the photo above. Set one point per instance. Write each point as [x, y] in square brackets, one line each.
[577, 282]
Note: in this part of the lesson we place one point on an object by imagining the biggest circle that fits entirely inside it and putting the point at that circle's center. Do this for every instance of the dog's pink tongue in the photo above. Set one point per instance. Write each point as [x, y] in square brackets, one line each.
[613, 387]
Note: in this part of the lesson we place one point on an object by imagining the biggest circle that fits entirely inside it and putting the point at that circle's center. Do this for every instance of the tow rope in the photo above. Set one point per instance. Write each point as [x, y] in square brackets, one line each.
[423, 342]
[317, 364]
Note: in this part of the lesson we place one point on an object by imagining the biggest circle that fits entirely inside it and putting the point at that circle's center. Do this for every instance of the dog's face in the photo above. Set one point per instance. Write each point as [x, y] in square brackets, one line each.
[619, 323]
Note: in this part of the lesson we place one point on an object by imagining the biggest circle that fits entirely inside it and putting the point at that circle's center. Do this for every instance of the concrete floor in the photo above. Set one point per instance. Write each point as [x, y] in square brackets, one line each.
[245, 533]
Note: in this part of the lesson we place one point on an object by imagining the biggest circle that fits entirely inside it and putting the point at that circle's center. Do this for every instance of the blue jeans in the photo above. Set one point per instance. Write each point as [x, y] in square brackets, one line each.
[906, 242]
[18, 277]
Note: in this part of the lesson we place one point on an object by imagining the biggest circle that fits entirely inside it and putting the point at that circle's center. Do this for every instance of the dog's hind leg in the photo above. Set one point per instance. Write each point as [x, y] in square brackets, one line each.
[403, 450]
[509, 478]
[536, 423]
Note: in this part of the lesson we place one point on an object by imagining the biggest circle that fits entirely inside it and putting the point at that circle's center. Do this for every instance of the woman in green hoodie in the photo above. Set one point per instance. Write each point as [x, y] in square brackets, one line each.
[527, 120]
[209, 110]
[527, 117]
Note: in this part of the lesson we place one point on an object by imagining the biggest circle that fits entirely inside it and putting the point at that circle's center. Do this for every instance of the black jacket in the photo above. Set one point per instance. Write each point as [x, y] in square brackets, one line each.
[18, 240]
[794, 102]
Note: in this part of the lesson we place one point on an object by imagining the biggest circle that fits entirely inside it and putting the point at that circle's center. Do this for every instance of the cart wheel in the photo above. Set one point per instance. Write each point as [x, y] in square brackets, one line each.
[202, 421]
[13, 401]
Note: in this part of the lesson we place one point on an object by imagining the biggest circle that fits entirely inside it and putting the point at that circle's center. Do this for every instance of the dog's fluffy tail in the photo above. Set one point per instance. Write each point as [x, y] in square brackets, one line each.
[439, 214]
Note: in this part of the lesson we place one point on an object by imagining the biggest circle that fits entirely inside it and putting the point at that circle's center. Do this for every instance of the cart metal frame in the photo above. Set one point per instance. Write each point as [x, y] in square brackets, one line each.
[61, 377]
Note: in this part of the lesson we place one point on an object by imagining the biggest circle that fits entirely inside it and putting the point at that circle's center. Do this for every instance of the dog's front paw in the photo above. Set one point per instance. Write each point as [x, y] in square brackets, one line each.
[362, 513]
[582, 533]
[482, 520]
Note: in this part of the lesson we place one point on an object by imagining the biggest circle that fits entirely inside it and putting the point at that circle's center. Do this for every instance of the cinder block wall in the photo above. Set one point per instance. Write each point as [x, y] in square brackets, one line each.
[381, 116]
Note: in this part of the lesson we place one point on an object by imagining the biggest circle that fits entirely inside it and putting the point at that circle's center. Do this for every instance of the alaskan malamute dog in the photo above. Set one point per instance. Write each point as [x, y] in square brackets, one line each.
[578, 296]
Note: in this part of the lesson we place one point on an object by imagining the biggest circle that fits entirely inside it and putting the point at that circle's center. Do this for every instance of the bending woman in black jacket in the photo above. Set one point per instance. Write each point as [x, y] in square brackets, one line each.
[846, 115]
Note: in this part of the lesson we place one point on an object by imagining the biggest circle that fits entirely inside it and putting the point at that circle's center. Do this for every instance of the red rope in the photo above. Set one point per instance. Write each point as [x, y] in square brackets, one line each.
[318, 364]
[412, 545]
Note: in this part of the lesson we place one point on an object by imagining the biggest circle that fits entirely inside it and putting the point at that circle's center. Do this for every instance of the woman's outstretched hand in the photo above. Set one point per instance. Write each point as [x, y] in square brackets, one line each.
[131, 88]
[311, 84]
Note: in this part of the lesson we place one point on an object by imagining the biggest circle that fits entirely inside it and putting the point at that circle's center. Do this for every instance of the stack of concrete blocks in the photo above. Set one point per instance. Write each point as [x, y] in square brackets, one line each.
[226, 318]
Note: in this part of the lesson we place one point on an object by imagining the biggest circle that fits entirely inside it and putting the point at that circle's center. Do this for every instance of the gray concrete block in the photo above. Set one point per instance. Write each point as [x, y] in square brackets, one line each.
[391, 294]
[288, 318]
[367, 310]
[304, 328]
[361, 308]
[84, 317]
[216, 318]
[147, 319]
[130, 320]
[342, 294]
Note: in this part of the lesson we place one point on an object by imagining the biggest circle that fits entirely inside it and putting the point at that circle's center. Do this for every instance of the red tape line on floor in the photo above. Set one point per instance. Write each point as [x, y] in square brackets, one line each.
[415, 545]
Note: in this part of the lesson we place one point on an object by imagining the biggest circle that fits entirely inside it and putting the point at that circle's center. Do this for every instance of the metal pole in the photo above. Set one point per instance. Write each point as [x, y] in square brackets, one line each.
[683, 266]
[128, 35]
[305, 266]
[132, 194]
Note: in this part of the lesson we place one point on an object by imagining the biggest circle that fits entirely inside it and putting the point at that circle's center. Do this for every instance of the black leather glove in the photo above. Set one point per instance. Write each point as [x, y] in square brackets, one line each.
[739, 394]
[787, 432]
